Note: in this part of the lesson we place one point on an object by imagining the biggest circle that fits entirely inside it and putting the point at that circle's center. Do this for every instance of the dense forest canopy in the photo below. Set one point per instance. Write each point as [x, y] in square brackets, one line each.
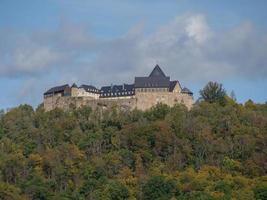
[215, 151]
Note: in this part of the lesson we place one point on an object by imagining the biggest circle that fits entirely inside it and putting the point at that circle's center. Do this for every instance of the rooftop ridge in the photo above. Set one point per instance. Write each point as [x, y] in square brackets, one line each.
[157, 72]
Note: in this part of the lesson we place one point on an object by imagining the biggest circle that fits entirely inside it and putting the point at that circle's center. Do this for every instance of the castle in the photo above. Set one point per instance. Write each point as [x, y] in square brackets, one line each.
[143, 94]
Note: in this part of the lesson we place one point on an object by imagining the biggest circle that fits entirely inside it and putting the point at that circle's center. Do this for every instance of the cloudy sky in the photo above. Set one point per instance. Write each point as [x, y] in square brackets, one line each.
[44, 43]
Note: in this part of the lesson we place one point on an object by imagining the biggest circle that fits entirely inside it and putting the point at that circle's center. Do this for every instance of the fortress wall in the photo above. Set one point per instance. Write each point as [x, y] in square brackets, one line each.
[146, 100]
[141, 101]
[66, 102]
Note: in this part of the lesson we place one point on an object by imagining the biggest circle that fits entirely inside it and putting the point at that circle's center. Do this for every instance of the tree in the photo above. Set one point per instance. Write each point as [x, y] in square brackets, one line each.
[116, 191]
[158, 111]
[2, 113]
[213, 92]
[159, 188]
[10, 192]
[232, 95]
[260, 192]
[206, 153]
[37, 188]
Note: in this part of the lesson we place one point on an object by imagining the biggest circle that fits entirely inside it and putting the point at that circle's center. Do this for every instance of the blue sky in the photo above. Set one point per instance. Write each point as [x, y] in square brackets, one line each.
[52, 42]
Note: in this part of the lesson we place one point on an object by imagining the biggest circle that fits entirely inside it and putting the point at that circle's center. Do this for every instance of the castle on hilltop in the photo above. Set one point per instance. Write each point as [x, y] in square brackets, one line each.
[143, 94]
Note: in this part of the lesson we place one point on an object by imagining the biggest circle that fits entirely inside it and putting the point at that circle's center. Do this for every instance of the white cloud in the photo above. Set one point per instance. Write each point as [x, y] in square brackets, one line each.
[35, 58]
[198, 28]
[187, 48]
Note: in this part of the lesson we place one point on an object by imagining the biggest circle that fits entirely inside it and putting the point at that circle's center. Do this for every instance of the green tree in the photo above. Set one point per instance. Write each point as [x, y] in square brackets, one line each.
[260, 191]
[206, 153]
[10, 192]
[116, 191]
[159, 188]
[157, 112]
[36, 188]
[213, 92]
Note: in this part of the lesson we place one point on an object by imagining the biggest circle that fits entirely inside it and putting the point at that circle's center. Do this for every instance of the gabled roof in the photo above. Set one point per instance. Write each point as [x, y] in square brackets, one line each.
[157, 72]
[74, 85]
[57, 89]
[152, 82]
[156, 79]
[90, 88]
[117, 90]
[128, 87]
[173, 84]
[186, 90]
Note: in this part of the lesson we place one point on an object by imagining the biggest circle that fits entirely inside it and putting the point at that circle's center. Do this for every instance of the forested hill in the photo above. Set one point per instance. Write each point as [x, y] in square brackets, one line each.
[214, 151]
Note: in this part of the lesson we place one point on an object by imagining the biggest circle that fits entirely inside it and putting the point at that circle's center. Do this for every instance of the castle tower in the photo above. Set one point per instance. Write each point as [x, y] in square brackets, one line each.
[74, 90]
[157, 81]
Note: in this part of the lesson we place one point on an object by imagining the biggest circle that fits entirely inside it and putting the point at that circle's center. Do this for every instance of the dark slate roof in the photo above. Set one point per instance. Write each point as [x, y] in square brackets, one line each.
[151, 82]
[157, 72]
[57, 89]
[74, 85]
[117, 90]
[186, 90]
[172, 85]
[156, 79]
[90, 88]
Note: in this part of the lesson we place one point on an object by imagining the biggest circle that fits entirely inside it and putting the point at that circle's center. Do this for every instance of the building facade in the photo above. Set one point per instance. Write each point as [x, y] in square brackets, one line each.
[143, 94]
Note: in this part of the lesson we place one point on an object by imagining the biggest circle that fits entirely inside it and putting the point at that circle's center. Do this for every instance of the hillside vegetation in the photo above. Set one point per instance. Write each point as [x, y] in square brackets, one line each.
[213, 152]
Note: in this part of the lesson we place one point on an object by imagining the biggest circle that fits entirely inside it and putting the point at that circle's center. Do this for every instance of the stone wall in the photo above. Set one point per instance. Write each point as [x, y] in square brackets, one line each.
[66, 102]
[146, 100]
[83, 93]
[141, 101]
